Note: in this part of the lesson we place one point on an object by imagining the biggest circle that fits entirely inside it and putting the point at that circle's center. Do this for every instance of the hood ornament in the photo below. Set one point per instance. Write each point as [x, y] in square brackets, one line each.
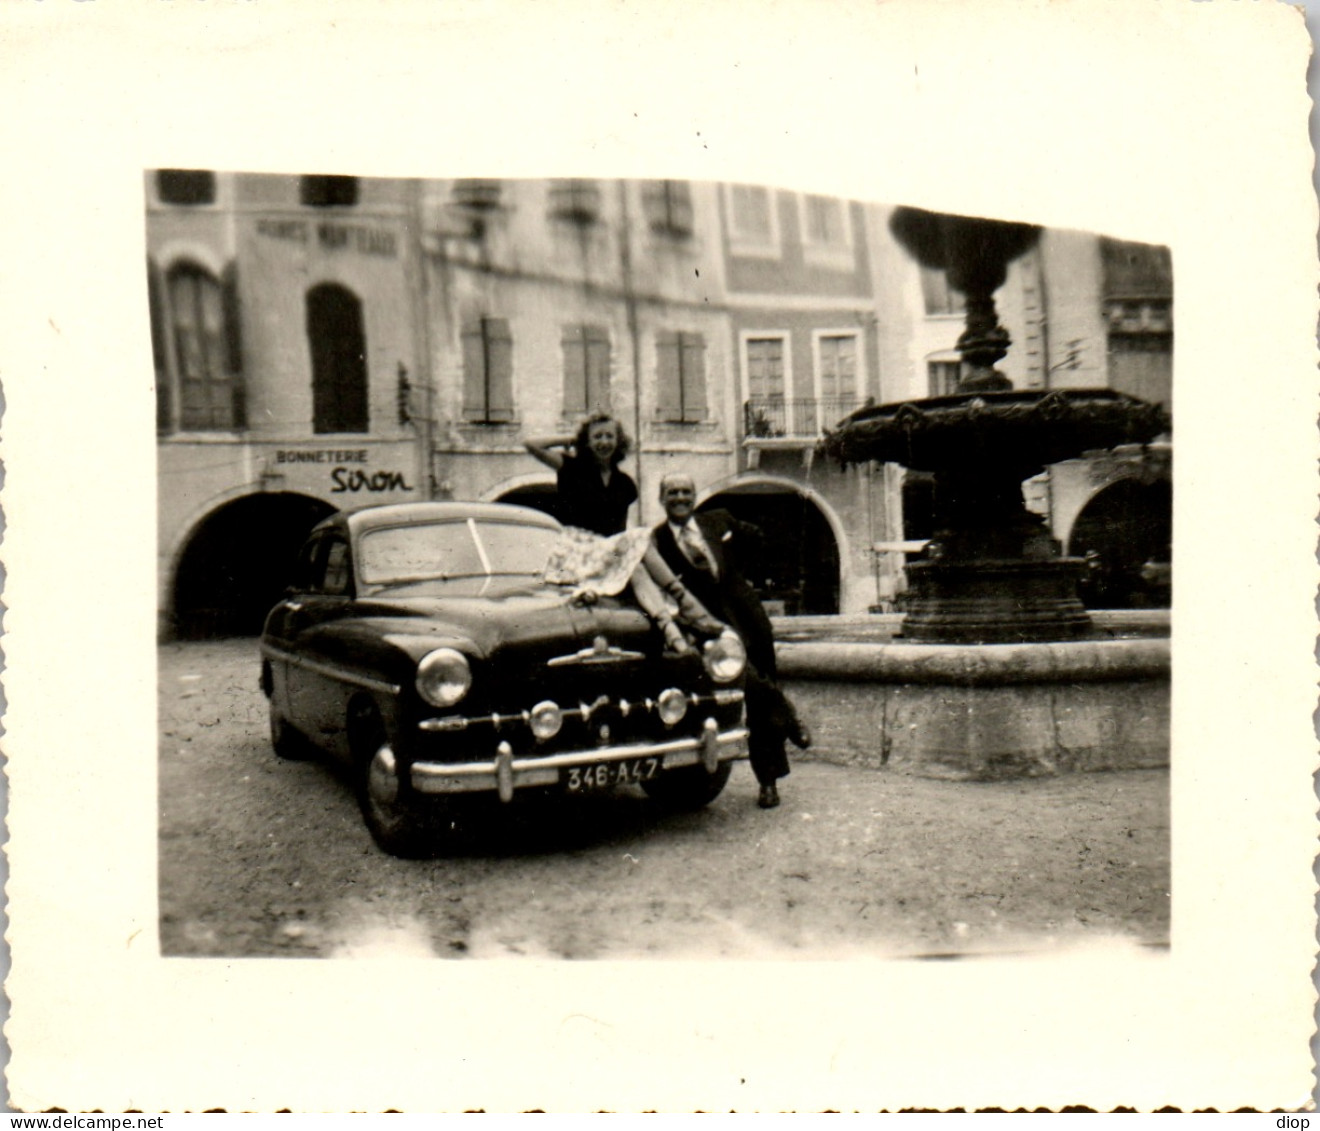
[600, 652]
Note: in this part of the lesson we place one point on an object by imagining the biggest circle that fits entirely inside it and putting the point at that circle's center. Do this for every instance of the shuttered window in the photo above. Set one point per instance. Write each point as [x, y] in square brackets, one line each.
[1138, 309]
[207, 352]
[575, 200]
[824, 221]
[765, 368]
[939, 296]
[1136, 270]
[338, 346]
[487, 371]
[680, 377]
[668, 206]
[586, 369]
[838, 367]
[320, 191]
[942, 377]
[185, 186]
[751, 213]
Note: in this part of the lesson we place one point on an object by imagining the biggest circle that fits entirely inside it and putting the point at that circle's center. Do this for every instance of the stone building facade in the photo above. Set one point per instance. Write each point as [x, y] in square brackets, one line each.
[329, 341]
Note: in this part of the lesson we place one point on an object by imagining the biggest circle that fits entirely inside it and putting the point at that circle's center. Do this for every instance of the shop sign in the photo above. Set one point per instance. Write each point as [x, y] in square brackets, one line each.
[345, 470]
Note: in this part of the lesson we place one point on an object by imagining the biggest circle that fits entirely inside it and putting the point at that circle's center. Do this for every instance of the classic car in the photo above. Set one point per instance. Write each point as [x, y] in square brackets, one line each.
[420, 642]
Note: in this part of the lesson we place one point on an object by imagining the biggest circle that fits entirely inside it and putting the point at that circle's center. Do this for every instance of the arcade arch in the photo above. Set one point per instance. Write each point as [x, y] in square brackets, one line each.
[536, 491]
[799, 569]
[1125, 530]
[236, 561]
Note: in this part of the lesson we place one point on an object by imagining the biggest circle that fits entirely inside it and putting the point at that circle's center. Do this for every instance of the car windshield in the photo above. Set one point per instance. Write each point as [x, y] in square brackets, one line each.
[465, 548]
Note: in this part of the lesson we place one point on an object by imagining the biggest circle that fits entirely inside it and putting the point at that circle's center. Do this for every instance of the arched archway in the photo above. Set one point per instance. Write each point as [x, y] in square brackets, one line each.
[797, 571]
[543, 497]
[1126, 532]
[237, 562]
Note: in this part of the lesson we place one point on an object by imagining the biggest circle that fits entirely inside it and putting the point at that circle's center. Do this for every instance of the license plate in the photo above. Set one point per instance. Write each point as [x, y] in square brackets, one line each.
[606, 775]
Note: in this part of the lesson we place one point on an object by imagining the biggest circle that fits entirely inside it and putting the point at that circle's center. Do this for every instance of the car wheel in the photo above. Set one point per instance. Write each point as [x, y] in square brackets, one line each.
[399, 822]
[689, 788]
[289, 743]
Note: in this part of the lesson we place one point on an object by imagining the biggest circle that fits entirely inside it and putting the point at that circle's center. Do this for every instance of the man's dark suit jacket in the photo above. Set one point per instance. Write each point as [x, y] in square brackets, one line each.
[730, 598]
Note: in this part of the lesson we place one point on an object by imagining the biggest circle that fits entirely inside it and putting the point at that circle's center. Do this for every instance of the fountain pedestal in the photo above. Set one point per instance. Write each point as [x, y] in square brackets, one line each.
[980, 601]
[995, 574]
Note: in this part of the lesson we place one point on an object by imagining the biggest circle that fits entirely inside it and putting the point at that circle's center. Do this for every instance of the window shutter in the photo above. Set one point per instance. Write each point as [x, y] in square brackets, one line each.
[575, 370]
[668, 206]
[476, 194]
[499, 346]
[183, 315]
[338, 350]
[328, 191]
[940, 297]
[234, 347]
[680, 207]
[1136, 270]
[751, 212]
[668, 392]
[185, 186]
[159, 353]
[653, 204]
[233, 330]
[575, 200]
[474, 371]
[598, 368]
[693, 348]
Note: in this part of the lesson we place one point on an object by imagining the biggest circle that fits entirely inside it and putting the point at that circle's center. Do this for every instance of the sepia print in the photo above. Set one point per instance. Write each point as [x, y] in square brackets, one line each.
[969, 592]
[633, 562]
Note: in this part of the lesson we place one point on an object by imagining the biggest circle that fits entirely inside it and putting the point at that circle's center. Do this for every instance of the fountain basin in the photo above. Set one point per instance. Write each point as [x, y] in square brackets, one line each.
[1020, 430]
[984, 711]
[994, 574]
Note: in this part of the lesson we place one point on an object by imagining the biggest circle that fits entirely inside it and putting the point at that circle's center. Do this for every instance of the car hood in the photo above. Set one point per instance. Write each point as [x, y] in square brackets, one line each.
[534, 618]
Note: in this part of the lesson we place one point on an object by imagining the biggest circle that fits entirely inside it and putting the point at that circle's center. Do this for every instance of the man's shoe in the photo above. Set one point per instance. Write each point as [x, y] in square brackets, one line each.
[769, 796]
[797, 732]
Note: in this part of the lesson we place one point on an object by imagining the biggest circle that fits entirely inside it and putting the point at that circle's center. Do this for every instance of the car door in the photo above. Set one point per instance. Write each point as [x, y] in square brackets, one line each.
[279, 630]
[316, 695]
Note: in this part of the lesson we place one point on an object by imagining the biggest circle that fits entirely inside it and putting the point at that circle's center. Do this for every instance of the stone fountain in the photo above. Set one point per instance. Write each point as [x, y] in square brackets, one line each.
[995, 574]
[999, 673]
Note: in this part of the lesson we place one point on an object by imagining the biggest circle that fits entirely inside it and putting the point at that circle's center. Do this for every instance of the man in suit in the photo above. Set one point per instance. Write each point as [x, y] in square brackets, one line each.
[705, 551]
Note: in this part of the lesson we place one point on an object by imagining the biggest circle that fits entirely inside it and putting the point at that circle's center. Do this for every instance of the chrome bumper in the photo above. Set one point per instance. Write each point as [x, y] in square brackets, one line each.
[507, 773]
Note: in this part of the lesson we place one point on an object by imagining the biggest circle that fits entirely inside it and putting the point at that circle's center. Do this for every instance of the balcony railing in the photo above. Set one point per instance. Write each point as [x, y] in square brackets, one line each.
[800, 418]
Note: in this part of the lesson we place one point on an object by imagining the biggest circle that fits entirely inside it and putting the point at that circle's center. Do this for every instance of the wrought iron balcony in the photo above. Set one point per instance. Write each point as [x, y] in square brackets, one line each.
[801, 419]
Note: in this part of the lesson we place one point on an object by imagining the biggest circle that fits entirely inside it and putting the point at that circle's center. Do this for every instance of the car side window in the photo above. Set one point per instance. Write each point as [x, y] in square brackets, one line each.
[338, 576]
[305, 569]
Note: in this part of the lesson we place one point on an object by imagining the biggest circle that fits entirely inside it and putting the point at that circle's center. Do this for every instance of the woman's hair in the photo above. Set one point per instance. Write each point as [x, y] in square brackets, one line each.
[582, 441]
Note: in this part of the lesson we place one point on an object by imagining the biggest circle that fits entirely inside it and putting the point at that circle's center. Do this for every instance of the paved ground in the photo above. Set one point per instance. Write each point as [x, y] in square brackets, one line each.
[263, 857]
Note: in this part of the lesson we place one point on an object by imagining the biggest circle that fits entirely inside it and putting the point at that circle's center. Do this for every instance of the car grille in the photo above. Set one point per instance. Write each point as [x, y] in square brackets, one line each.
[610, 705]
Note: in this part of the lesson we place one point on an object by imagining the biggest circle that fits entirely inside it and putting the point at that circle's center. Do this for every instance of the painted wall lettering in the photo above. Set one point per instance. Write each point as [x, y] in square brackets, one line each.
[368, 241]
[358, 480]
[322, 455]
[295, 230]
[332, 236]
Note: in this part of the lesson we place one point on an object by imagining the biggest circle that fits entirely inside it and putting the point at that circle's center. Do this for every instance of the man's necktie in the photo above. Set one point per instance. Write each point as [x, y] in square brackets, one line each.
[695, 551]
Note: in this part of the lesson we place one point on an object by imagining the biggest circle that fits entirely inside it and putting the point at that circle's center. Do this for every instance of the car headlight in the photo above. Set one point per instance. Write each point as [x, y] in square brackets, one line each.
[443, 677]
[725, 657]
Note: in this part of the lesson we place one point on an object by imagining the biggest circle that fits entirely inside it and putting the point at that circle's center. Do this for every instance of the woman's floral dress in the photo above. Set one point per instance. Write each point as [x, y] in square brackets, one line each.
[593, 563]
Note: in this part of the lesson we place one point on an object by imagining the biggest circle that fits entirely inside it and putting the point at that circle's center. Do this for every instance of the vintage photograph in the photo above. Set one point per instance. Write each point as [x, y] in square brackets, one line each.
[618, 568]
[627, 557]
